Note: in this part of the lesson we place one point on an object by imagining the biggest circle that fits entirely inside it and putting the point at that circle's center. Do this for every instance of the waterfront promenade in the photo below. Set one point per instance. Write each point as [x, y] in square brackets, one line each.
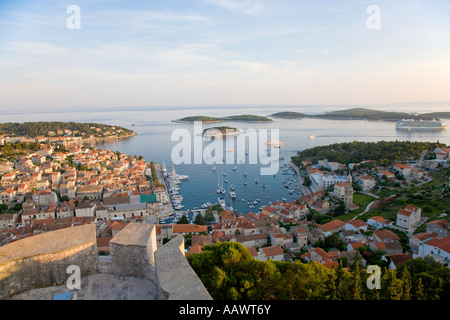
[303, 189]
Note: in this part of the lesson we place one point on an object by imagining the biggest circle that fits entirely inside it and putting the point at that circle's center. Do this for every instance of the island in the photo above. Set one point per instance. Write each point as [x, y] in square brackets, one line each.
[363, 114]
[221, 131]
[241, 118]
[289, 115]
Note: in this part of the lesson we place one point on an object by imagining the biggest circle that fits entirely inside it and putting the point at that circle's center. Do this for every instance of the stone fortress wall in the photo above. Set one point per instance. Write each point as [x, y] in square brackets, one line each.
[43, 260]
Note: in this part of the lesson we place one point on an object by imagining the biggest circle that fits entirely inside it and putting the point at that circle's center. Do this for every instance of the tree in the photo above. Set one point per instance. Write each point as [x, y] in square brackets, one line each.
[307, 181]
[391, 286]
[419, 290]
[183, 220]
[355, 291]
[199, 219]
[405, 277]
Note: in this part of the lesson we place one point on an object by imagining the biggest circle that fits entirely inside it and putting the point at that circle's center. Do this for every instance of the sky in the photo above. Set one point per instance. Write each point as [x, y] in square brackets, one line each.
[222, 52]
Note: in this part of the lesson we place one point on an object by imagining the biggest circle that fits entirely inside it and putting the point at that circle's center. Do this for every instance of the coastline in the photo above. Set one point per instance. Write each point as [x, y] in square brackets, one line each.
[109, 138]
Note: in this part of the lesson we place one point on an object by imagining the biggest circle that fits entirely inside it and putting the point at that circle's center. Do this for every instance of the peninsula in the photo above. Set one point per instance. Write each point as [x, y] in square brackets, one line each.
[61, 131]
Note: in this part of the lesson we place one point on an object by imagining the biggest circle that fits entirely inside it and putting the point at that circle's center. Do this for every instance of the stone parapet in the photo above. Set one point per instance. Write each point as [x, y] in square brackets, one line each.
[176, 277]
[43, 260]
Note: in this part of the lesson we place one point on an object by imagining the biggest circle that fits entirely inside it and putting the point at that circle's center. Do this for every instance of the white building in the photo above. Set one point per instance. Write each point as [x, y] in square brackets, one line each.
[409, 217]
[438, 248]
[366, 182]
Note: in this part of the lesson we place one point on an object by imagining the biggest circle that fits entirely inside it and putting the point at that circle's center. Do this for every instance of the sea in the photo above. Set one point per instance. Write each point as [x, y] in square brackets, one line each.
[155, 141]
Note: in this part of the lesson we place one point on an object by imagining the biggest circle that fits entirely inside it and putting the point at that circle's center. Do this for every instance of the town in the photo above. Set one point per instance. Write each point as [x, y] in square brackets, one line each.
[359, 211]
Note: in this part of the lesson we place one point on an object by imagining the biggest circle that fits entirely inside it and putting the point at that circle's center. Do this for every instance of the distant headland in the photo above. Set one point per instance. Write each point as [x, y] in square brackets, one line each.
[62, 131]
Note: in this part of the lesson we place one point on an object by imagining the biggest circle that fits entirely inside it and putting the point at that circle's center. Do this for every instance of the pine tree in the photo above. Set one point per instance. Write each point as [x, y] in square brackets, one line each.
[419, 294]
[407, 284]
[392, 287]
[330, 286]
[355, 291]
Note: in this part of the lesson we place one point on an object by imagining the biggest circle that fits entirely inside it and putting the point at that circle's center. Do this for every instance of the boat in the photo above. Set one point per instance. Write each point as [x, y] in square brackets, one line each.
[411, 124]
[232, 187]
[312, 136]
[214, 169]
[222, 203]
[225, 180]
[233, 194]
[263, 185]
[234, 169]
[275, 143]
[245, 174]
[245, 182]
[256, 180]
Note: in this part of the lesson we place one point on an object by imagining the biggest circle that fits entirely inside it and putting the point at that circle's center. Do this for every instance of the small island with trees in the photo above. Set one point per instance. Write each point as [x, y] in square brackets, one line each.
[222, 131]
[241, 118]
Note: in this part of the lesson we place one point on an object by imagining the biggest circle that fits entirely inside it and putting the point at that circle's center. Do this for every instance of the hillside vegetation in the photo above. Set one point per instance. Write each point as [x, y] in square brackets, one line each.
[42, 128]
[384, 152]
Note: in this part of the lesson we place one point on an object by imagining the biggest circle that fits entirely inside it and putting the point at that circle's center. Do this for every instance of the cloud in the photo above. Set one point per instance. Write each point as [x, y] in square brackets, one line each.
[243, 6]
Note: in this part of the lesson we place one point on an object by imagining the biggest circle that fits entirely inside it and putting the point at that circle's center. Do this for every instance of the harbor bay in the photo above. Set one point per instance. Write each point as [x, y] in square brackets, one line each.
[154, 128]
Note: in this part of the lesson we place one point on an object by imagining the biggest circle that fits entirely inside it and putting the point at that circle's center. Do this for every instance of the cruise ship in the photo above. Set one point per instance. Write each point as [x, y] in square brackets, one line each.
[411, 124]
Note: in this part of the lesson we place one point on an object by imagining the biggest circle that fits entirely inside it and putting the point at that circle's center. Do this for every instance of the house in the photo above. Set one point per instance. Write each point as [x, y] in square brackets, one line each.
[442, 153]
[254, 240]
[416, 239]
[438, 248]
[384, 235]
[273, 253]
[43, 198]
[8, 220]
[378, 222]
[281, 239]
[85, 209]
[332, 227]
[300, 235]
[227, 216]
[356, 225]
[366, 182]
[322, 257]
[29, 215]
[185, 229]
[65, 210]
[403, 169]
[396, 259]
[355, 245]
[409, 217]
[416, 174]
[387, 174]
[439, 227]
[390, 247]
